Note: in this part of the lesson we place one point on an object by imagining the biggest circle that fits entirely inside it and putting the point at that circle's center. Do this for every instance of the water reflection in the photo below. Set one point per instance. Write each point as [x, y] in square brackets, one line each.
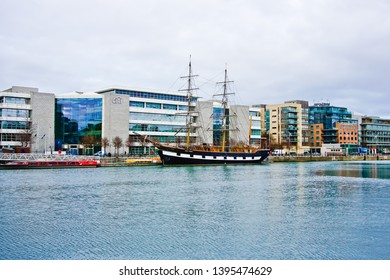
[359, 170]
[274, 211]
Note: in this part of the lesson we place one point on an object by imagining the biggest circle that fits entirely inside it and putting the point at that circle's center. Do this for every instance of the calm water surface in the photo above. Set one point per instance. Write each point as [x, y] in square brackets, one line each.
[326, 210]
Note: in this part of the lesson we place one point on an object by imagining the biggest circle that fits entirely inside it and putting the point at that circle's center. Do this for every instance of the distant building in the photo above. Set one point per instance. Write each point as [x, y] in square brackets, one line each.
[243, 127]
[288, 127]
[26, 120]
[375, 134]
[82, 119]
[317, 139]
[255, 133]
[78, 122]
[333, 125]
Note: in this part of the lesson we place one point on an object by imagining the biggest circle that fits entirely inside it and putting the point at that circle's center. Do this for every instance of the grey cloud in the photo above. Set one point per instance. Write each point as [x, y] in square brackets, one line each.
[275, 50]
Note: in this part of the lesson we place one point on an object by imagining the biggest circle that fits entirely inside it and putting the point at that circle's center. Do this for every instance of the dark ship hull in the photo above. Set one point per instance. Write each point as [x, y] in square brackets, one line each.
[177, 156]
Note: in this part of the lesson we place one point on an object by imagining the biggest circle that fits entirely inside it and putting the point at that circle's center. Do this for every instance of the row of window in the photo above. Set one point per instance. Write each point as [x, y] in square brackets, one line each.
[376, 127]
[376, 133]
[348, 132]
[14, 100]
[14, 137]
[14, 125]
[154, 128]
[15, 113]
[152, 95]
[254, 113]
[151, 105]
[348, 138]
[156, 117]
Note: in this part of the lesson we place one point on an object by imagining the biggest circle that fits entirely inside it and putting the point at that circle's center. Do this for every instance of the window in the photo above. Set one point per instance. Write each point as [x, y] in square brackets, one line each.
[169, 107]
[17, 113]
[14, 100]
[14, 125]
[137, 104]
[157, 117]
[153, 105]
[154, 127]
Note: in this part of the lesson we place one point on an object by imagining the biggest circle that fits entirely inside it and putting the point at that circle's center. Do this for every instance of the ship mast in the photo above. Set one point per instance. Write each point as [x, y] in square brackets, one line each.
[189, 90]
[225, 109]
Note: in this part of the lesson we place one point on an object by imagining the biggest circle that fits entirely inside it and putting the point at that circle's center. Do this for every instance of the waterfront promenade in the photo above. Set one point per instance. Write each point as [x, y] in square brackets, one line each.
[327, 158]
[148, 160]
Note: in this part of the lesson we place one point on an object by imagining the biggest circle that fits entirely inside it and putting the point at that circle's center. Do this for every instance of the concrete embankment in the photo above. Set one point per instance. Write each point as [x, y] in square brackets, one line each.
[327, 158]
[123, 161]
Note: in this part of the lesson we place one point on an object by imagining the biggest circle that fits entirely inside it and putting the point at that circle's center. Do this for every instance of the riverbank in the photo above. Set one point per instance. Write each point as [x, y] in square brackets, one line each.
[123, 161]
[327, 158]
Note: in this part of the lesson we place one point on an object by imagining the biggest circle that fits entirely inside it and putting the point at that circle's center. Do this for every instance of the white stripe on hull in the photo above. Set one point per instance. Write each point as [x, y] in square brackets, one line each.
[216, 158]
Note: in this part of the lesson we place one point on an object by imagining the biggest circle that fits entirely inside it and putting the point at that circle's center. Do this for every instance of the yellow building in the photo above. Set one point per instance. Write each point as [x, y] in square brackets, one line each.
[288, 126]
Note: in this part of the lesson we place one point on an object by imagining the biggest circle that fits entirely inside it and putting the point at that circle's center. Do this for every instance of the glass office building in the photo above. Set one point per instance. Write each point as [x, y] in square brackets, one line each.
[26, 120]
[78, 125]
[160, 115]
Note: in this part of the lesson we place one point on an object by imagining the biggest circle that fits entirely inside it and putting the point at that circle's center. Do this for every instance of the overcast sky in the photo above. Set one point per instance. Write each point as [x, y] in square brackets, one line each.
[335, 51]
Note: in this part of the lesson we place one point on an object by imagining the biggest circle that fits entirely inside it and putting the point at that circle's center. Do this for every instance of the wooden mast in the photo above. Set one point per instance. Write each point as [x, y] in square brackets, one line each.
[189, 98]
[225, 109]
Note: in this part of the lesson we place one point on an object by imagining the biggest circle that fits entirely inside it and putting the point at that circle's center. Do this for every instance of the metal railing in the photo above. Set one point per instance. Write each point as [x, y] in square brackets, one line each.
[34, 156]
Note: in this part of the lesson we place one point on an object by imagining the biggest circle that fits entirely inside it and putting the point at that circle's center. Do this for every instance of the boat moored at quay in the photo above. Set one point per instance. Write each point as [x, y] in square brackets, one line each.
[45, 164]
[177, 156]
[42, 161]
[195, 154]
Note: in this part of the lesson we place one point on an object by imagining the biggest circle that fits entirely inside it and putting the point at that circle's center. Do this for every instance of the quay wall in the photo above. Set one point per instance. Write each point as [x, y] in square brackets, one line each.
[327, 158]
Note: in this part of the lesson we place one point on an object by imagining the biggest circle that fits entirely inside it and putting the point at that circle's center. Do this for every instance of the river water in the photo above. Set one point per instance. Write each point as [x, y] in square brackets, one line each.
[319, 210]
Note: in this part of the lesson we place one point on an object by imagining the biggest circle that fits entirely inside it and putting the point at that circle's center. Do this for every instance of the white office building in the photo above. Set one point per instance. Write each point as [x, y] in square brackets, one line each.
[26, 120]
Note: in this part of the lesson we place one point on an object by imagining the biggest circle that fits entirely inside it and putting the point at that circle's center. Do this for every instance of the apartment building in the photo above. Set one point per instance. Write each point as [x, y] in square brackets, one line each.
[375, 134]
[333, 125]
[288, 127]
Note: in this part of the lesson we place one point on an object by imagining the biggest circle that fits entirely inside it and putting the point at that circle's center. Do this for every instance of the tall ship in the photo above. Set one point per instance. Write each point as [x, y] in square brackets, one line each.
[202, 154]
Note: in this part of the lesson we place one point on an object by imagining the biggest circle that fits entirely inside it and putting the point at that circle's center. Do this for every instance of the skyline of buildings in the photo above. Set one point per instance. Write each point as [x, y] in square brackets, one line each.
[76, 123]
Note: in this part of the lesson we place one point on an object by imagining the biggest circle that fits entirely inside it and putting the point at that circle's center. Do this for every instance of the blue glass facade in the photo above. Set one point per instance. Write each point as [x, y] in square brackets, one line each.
[217, 125]
[328, 116]
[76, 118]
[153, 95]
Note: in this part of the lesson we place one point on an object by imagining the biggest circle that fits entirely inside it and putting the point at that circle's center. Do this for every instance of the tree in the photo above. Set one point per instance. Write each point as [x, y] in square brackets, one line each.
[129, 142]
[118, 143]
[88, 141]
[105, 143]
[27, 135]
